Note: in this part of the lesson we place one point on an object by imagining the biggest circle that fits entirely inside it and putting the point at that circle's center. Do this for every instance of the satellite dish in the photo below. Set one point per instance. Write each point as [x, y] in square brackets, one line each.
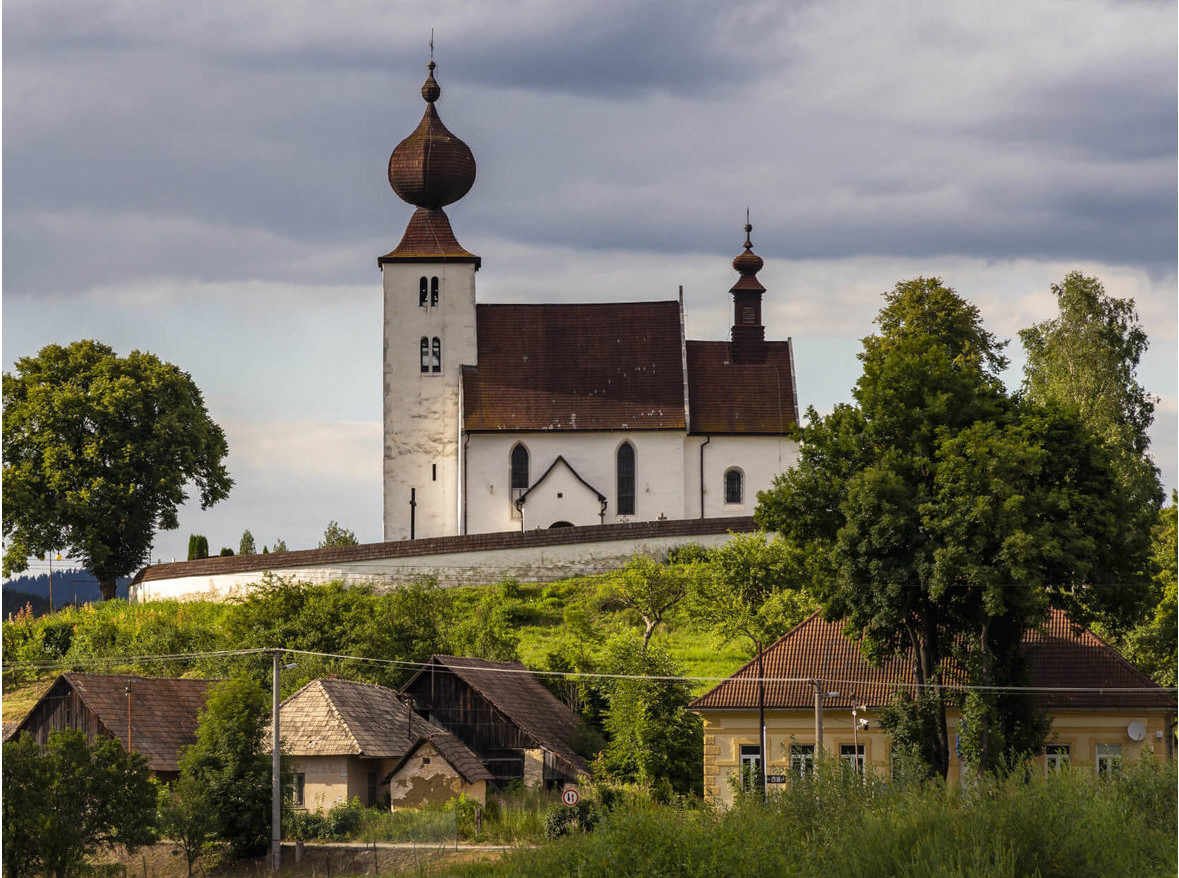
[1136, 731]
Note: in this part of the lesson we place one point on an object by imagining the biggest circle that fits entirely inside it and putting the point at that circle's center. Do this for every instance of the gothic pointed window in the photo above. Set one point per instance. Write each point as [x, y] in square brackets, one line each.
[433, 292]
[519, 472]
[734, 486]
[626, 479]
[421, 292]
[436, 355]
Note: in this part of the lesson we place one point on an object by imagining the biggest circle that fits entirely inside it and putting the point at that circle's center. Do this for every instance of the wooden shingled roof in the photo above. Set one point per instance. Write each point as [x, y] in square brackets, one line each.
[455, 752]
[1060, 657]
[330, 717]
[163, 711]
[513, 690]
[576, 367]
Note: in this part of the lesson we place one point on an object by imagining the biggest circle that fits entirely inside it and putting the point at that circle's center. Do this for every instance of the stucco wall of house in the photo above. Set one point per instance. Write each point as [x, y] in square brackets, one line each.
[726, 731]
[421, 423]
[428, 778]
[759, 458]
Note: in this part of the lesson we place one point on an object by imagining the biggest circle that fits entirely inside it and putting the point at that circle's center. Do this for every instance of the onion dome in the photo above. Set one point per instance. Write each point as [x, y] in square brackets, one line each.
[748, 264]
[431, 168]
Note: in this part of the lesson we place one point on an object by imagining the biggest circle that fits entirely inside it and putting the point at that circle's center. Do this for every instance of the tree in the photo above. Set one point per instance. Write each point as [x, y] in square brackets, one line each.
[750, 589]
[227, 768]
[653, 735]
[280, 545]
[98, 450]
[247, 545]
[1086, 360]
[650, 589]
[334, 536]
[950, 515]
[187, 818]
[198, 547]
[62, 805]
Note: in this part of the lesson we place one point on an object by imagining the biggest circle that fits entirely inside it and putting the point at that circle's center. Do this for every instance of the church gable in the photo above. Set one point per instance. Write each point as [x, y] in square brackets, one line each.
[616, 366]
[561, 498]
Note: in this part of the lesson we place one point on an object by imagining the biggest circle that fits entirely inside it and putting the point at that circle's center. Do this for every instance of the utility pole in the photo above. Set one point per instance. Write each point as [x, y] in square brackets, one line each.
[276, 779]
[818, 684]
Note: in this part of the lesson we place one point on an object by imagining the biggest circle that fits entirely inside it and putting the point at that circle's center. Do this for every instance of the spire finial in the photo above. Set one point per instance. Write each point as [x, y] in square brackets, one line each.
[431, 45]
[748, 230]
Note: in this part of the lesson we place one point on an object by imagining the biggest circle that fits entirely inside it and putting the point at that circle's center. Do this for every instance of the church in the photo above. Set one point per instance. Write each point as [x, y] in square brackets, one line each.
[533, 416]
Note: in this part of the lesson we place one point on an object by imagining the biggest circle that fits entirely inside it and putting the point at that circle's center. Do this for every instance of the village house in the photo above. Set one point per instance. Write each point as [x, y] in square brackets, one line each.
[1102, 710]
[357, 740]
[154, 716]
[519, 730]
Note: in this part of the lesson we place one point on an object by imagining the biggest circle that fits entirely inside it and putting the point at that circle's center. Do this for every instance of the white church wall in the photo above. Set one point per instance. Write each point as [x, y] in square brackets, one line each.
[759, 458]
[421, 432]
[659, 463]
[451, 568]
[561, 498]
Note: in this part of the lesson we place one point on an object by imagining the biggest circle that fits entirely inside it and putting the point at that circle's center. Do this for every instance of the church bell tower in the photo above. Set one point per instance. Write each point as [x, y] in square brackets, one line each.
[429, 321]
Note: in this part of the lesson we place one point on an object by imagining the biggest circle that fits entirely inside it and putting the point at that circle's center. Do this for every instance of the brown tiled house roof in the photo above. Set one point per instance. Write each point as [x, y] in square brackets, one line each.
[616, 366]
[163, 712]
[724, 397]
[330, 717]
[1060, 657]
[513, 690]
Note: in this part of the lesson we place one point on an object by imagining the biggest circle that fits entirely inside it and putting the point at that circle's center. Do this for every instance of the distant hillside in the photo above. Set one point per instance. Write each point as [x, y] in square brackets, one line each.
[70, 585]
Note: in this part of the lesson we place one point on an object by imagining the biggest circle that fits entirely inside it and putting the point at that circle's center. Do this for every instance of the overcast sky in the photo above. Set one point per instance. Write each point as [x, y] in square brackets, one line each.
[206, 181]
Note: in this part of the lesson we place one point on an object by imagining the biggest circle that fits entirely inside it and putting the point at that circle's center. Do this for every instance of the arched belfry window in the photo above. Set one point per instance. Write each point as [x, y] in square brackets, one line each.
[421, 292]
[734, 486]
[425, 354]
[436, 355]
[433, 292]
[519, 472]
[626, 479]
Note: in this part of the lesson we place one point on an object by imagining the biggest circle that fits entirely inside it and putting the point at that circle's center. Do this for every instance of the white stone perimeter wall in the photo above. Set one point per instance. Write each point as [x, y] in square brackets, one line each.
[528, 564]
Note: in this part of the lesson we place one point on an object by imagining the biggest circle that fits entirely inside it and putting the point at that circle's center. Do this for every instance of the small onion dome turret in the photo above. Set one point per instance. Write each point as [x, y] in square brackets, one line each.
[431, 168]
[748, 264]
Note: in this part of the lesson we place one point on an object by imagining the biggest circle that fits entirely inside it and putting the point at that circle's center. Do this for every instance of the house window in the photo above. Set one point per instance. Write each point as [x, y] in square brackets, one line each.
[1109, 758]
[294, 791]
[425, 354]
[626, 479]
[802, 759]
[518, 480]
[421, 292]
[372, 788]
[734, 486]
[750, 766]
[436, 355]
[1056, 757]
[852, 755]
[433, 292]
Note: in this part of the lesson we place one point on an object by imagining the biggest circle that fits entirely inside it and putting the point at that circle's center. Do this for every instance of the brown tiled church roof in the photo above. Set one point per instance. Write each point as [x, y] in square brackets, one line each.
[616, 366]
[1060, 657]
[724, 397]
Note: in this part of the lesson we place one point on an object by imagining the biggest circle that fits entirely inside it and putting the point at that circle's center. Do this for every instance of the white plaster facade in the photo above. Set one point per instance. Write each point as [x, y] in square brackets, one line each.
[422, 411]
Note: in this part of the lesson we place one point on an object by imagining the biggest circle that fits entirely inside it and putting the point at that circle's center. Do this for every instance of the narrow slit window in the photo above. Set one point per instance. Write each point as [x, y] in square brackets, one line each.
[433, 292]
[425, 354]
[422, 292]
[626, 479]
[436, 357]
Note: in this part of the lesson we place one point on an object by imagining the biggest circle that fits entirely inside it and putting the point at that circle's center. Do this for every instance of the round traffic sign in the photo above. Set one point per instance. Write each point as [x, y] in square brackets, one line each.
[570, 797]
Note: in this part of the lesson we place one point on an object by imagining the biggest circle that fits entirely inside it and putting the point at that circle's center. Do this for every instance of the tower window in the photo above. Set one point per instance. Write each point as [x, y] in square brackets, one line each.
[433, 292]
[425, 354]
[421, 292]
[519, 472]
[436, 355]
[748, 315]
[734, 486]
[626, 479]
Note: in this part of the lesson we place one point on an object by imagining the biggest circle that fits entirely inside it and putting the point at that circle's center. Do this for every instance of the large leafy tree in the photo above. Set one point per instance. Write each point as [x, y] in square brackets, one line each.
[950, 514]
[65, 803]
[1086, 360]
[652, 590]
[98, 451]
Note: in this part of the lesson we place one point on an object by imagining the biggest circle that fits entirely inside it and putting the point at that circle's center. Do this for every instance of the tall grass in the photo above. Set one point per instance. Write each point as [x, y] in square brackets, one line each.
[1070, 824]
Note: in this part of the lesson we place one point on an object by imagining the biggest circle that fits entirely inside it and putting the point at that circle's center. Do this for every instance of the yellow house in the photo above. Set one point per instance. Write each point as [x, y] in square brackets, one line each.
[355, 740]
[1102, 710]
